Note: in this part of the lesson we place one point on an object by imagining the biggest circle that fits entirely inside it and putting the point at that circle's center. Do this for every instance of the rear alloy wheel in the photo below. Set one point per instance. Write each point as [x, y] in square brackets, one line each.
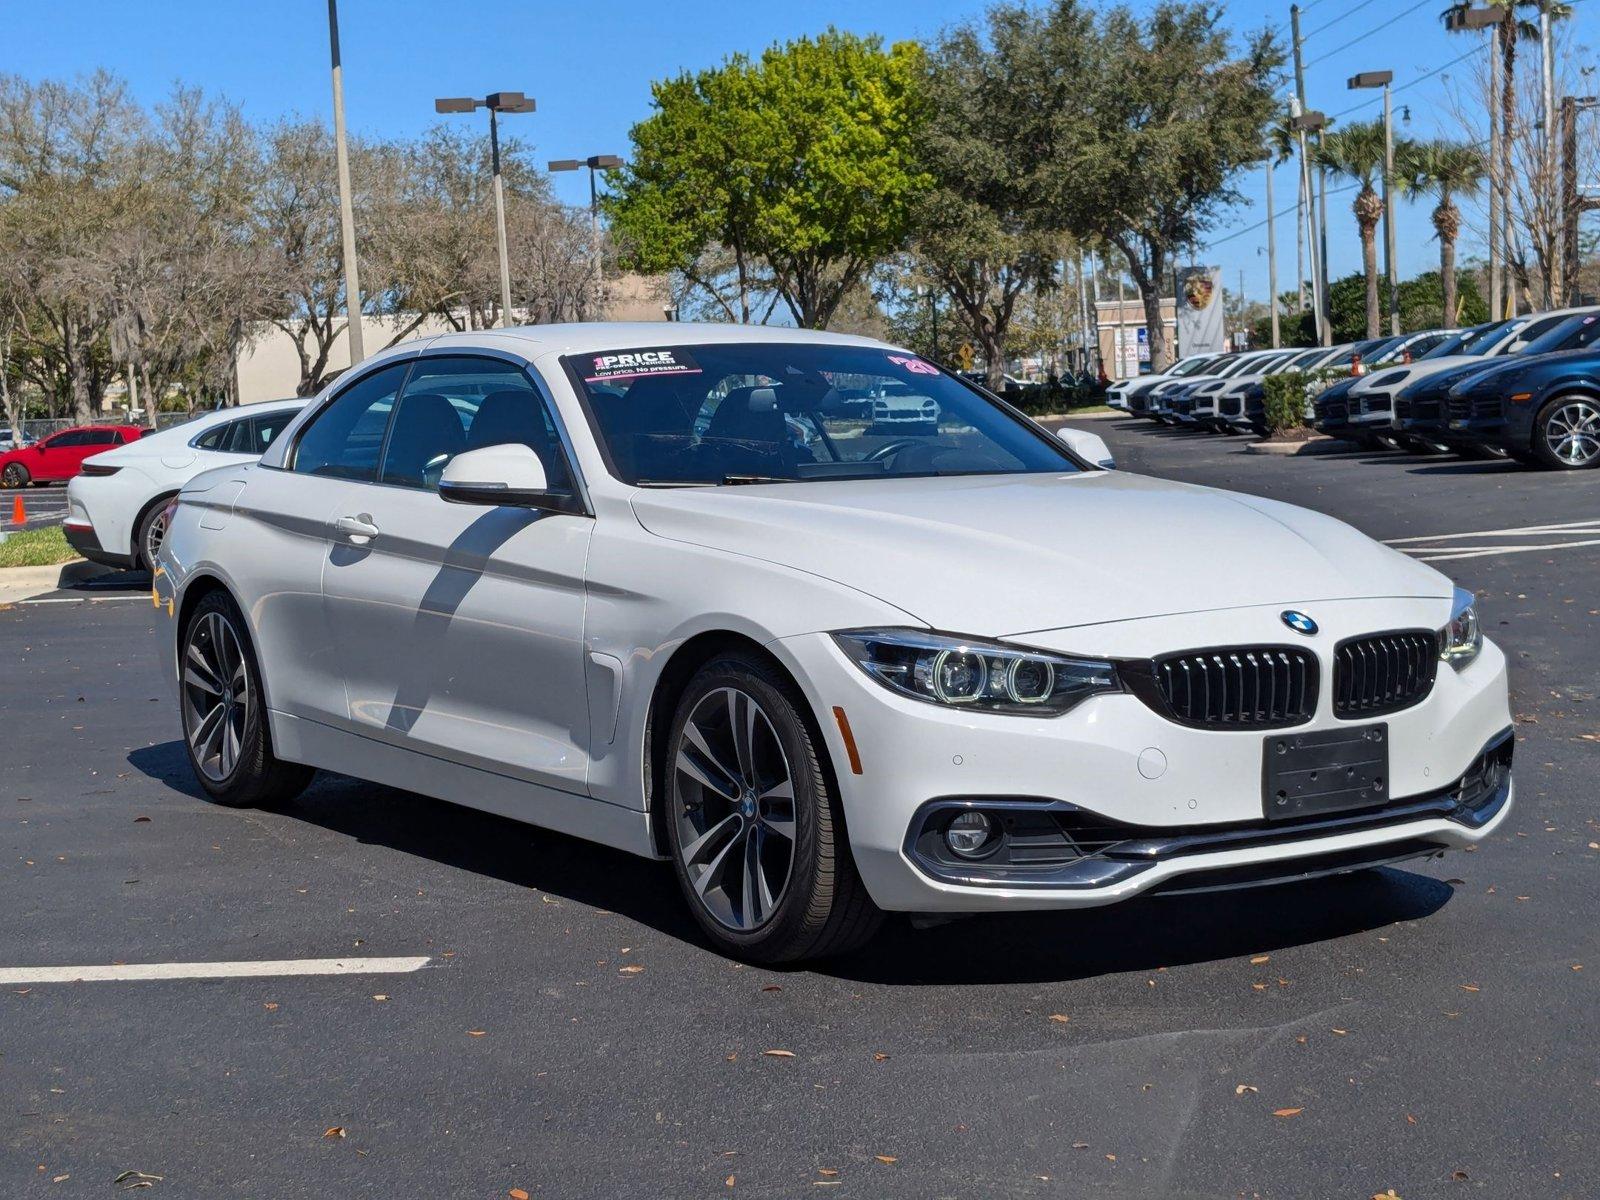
[756, 831]
[224, 720]
[14, 476]
[1566, 434]
[152, 530]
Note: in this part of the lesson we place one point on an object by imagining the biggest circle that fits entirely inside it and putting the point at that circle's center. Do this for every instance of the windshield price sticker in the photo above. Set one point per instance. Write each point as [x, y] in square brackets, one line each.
[634, 364]
[916, 366]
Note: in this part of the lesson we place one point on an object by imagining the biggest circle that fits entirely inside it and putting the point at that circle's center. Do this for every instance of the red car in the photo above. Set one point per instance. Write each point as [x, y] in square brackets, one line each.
[60, 456]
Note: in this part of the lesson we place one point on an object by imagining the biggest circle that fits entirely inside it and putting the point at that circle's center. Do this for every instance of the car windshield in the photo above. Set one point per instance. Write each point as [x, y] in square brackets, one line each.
[757, 412]
[1452, 344]
[1301, 361]
[1190, 366]
[1575, 333]
[1483, 342]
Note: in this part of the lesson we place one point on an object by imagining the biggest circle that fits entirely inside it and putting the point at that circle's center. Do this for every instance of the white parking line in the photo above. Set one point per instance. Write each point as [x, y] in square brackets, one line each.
[82, 599]
[1428, 547]
[212, 970]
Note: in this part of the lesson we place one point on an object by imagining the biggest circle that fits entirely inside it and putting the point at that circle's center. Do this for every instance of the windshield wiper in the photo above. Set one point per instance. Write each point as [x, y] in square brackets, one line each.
[734, 480]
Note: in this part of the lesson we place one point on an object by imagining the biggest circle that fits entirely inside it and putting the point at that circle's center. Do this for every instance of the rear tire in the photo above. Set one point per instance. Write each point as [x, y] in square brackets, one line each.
[147, 538]
[224, 718]
[15, 476]
[754, 823]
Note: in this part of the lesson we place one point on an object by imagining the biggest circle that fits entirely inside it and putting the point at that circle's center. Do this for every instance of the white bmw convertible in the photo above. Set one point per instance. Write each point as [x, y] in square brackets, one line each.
[668, 588]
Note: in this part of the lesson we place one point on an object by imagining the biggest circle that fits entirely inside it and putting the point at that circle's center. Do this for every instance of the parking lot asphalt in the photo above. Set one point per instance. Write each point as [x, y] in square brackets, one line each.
[1427, 1029]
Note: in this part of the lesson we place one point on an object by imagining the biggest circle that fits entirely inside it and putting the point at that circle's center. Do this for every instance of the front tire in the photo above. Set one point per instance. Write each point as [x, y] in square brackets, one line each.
[224, 718]
[1566, 433]
[754, 823]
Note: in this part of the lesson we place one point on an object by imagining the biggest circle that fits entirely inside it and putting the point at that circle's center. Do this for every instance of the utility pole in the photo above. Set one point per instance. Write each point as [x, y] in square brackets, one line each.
[1497, 271]
[1572, 203]
[1317, 205]
[1272, 258]
[347, 216]
[1554, 285]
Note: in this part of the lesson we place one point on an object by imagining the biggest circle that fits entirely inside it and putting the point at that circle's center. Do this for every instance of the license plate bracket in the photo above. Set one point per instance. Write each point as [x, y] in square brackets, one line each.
[1331, 770]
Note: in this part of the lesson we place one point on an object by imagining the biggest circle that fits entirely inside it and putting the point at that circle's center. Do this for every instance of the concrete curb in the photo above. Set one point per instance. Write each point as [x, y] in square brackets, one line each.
[1315, 445]
[19, 583]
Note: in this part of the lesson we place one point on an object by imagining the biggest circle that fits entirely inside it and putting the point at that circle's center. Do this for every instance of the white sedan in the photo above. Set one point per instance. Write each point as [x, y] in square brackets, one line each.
[590, 577]
[116, 507]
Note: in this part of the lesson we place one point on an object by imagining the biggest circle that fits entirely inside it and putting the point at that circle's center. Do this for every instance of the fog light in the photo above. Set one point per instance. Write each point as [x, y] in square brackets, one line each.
[968, 835]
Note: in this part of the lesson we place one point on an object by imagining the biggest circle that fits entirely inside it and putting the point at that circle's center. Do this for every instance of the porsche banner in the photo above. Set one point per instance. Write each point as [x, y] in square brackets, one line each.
[1200, 311]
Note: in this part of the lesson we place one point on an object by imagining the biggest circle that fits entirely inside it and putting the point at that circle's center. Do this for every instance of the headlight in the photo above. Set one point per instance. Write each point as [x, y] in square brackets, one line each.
[1462, 639]
[964, 673]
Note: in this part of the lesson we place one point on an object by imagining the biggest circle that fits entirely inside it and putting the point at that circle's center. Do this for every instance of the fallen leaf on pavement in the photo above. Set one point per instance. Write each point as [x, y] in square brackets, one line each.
[380, 998]
[1245, 1087]
[1060, 1018]
[476, 1032]
[1260, 958]
[778, 1053]
[1469, 987]
[270, 1005]
[885, 1158]
[1339, 1032]
[772, 987]
[728, 1182]
[1459, 1176]
[333, 1131]
[828, 1171]
[141, 820]
[1287, 1112]
[1389, 1195]
[879, 1056]
[633, 970]
[517, 1194]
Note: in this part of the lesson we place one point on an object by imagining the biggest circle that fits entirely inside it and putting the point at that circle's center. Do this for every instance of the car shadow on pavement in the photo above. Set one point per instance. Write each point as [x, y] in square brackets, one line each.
[1137, 935]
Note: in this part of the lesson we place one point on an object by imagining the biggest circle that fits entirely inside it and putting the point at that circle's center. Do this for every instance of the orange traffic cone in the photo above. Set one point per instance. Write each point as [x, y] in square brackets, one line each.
[19, 513]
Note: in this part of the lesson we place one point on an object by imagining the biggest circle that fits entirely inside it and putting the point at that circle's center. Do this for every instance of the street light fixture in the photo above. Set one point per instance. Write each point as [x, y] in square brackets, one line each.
[595, 162]
[496, 103]
[1385, 80]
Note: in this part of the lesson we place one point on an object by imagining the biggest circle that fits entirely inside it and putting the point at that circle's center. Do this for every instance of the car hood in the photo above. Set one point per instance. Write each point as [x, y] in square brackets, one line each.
[1519, 364]
[1005, 555]
[1385, 377]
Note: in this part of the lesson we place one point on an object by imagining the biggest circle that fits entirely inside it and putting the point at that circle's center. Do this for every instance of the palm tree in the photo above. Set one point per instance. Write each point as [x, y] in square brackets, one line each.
[1356, 152]
[1444, 169]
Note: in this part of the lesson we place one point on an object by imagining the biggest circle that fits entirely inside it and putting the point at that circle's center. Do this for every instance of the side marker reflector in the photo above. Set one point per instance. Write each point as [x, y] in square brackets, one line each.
[849, 739]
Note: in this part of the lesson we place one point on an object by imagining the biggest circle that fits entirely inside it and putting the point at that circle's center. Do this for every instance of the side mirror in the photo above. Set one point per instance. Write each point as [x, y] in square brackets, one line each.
[501, 476]
[1090, 446]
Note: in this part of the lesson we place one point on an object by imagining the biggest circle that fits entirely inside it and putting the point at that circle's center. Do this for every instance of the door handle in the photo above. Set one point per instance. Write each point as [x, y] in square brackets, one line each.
[359, 529]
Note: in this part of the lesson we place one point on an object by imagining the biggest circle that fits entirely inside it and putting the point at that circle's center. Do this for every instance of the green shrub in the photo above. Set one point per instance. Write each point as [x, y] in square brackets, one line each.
[1285, 401]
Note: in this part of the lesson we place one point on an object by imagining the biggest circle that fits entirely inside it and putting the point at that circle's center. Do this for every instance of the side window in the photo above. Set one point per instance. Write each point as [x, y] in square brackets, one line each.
[346, 438]
[73, 437]
[265, 430]
[239, 439]
[456, 404]
[104, 437]
[211, 439]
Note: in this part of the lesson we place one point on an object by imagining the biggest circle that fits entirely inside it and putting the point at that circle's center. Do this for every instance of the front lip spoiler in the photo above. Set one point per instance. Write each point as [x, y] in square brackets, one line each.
[1133, 856]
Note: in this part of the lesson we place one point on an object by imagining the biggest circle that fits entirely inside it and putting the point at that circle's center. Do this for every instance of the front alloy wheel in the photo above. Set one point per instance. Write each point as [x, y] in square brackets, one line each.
[14, 476]
[735, 809]
[753, 821]
[1567, 435]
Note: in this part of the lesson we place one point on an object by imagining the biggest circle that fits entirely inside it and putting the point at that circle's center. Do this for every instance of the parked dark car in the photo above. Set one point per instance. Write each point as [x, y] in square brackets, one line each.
[1542, 409]
[1421, 410]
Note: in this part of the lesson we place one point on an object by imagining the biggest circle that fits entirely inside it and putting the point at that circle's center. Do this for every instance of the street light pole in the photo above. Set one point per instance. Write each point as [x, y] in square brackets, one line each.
[1272, 256]
[1385, 80]
[1303, 122]
[347, 218]
[496, 103]
[595, 163]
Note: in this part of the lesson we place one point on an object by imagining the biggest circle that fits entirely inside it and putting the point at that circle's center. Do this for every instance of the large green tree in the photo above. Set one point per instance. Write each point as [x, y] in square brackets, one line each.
[976, 232]
[802, 161]
[1151, 116]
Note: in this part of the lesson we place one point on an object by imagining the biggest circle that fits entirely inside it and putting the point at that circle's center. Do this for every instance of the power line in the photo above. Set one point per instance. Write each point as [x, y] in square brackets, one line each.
[1361, 37]
[1411, 83]
[1336, 20]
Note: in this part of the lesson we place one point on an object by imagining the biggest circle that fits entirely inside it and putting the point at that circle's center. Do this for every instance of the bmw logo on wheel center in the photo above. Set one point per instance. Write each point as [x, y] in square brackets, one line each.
[1299, 622]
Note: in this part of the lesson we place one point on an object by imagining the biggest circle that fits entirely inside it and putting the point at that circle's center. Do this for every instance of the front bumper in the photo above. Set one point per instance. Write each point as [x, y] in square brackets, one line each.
[1118, 760]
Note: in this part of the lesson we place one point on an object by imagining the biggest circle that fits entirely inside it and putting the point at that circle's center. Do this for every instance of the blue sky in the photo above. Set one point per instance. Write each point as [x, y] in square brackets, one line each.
[589, 66]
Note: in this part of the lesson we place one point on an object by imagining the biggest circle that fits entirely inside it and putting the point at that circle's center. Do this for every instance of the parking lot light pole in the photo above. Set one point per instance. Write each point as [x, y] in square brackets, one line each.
[347, 220]
[496, 103]
[1384, 80]
[1270, 164]
[595, 162]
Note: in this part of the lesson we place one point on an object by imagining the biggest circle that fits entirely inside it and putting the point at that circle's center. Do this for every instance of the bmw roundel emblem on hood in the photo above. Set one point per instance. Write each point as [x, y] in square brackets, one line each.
[1299, 622]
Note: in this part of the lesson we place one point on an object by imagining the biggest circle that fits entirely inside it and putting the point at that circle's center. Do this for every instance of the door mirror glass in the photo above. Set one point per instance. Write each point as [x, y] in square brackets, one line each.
[506, 475]
[1090, 446]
